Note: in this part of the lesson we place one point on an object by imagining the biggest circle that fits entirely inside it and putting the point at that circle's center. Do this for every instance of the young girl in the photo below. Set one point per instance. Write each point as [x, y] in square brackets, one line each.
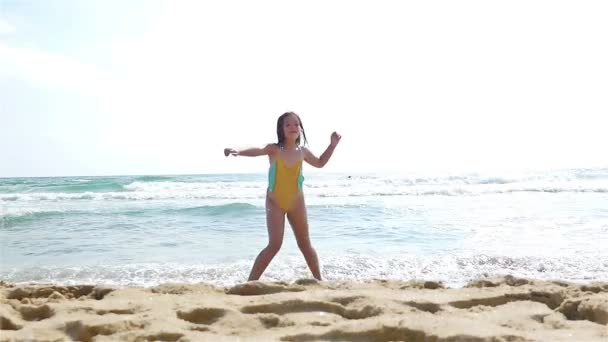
[284, 195]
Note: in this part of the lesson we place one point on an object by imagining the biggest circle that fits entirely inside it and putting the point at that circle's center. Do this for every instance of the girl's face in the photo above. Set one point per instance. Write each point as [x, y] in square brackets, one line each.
[291, 127]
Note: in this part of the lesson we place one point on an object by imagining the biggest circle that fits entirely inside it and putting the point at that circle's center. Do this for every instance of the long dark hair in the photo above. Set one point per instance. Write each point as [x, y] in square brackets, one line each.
[281, 133]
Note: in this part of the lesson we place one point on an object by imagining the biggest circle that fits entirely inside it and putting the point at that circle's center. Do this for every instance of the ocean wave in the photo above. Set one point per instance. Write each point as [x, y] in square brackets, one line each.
[153, 178]
[62, 185]
[460, 191]
[166, 186]
[18, 216]
[137, 188]
[80, 186]
[215, 210]
[257, 191]
[453, 270]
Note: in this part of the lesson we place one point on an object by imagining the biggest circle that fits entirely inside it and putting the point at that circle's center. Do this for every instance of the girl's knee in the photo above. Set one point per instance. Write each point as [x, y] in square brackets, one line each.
[305, 246]
[274, 247]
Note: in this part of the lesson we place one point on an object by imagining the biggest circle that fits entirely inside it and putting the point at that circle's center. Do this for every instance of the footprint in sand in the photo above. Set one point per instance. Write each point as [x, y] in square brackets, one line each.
[7, 320]
[256, 288]
[384, 334]
[83, 331]
[59, 292]
[424, 306]
[346, 300]
[35, 313]
[116, 312]
[297, 306]
[551, 299]
[273, 321]
[205, 316]
[164, 336]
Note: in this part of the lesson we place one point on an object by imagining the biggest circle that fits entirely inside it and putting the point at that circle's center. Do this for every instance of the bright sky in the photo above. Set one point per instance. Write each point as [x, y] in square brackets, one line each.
[161, 87]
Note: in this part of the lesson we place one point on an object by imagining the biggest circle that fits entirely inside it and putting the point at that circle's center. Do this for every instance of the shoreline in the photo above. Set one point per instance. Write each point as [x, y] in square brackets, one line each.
[487, 309]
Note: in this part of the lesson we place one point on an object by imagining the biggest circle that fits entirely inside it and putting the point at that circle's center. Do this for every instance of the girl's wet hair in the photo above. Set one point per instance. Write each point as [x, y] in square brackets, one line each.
[281, 133]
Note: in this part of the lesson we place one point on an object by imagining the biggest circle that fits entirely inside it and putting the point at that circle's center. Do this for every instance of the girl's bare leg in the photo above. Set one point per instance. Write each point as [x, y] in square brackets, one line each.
[275, 221]
[298, 220]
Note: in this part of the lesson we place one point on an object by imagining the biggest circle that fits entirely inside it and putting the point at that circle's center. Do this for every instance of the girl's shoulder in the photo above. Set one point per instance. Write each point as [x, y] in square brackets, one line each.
[272, 148]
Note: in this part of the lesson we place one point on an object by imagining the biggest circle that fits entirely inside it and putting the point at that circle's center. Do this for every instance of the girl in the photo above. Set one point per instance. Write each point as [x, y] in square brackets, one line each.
[284, 195]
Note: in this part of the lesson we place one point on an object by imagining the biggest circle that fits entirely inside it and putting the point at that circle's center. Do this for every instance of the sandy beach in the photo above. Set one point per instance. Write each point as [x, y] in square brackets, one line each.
[498, 309]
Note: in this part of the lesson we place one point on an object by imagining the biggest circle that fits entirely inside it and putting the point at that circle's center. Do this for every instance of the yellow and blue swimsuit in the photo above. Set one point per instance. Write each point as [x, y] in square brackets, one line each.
[285, 182]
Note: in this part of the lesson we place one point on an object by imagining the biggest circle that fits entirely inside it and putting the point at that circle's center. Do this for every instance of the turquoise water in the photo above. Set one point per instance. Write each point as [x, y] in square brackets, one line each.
[145, 230]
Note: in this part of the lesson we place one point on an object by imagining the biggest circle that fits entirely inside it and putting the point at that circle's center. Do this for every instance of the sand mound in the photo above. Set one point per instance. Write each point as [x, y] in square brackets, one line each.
[500, 309]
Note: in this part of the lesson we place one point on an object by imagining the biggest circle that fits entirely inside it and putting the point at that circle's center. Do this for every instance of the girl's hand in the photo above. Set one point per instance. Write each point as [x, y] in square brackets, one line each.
[335, 138]
[230, 151]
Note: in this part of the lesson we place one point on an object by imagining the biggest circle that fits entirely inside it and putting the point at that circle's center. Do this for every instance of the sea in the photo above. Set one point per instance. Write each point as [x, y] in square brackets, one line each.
[152, 229]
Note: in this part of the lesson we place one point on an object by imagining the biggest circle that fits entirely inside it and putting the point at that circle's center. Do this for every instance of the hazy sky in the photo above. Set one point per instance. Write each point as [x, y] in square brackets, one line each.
[157, 87]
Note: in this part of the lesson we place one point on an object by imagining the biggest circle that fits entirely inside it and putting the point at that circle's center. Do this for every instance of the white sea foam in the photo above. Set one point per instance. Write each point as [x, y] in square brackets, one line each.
[26, 211]
[454, 271]
[142, 191]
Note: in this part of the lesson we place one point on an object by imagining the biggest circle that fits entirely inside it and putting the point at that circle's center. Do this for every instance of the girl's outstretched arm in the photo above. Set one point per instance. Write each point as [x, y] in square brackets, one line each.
[251, 152]
[319, 162]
